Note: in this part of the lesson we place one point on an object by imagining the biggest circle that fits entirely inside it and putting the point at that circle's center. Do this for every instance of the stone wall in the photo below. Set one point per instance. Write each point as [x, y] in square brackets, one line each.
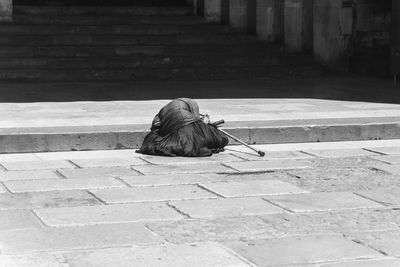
[6, 8]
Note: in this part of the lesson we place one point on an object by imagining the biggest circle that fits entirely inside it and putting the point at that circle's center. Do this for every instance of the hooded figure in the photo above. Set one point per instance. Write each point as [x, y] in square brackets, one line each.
[178, 130]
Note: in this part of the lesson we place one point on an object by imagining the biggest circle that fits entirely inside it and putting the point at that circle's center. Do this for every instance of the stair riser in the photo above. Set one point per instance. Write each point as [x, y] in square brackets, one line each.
[153, 74]
[65, 10]
[105, 40]
[115, 29]
[106, 20]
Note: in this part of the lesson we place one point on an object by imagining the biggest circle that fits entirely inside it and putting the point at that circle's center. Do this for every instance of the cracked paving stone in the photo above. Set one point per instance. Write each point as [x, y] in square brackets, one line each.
[221, 229]
[342, 179]
[301, 250]
[83, 237]
[46, 200]
[389, 196]
[386, 241]
[193, 255]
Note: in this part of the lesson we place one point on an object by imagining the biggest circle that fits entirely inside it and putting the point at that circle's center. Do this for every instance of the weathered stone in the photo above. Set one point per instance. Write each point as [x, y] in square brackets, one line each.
[337, 222]
[386, 241]
[62, 184]
[168, 179]
[17, 219]
[183, 168]
[340, 153]
[349, 162]
[391, 159]
[35, 260]
[111, 172]
[342, 179]
[189, 231]
[74, 216]
[253, 188]
[28, 175]
[38, 165]
[223, 157]
[18, 157]
[269, 165]
[390, 262]
[67, 238]
[235, 207]
[388, 196]
[392, 169]
[158, 193]
[393, 150]
[46, 199]
[323, 202]
[301, 250]
[195, 255]
[107, 162]
[2, 189]
[275, 155]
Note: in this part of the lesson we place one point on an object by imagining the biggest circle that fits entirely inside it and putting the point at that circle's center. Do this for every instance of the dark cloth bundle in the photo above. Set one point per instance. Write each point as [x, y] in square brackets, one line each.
[177, 130]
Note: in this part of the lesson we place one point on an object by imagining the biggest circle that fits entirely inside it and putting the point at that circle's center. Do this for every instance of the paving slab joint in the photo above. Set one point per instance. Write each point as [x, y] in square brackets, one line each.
[97, 198]
[210, 191]
[365, 245]
[187, 216]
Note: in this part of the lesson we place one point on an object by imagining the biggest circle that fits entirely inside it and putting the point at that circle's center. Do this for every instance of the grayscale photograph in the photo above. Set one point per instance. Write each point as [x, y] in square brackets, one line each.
[199, 133]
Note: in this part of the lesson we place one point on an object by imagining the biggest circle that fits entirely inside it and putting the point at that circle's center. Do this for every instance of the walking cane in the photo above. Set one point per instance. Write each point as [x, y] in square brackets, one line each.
[217, 123]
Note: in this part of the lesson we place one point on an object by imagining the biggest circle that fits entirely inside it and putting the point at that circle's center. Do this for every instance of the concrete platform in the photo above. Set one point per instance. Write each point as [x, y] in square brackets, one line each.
[66, 126]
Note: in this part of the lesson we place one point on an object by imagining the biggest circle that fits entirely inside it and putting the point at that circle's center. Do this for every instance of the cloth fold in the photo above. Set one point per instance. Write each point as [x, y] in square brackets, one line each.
[177, 130]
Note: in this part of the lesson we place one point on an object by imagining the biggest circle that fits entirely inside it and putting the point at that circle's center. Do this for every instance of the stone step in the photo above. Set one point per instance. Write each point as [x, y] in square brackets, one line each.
[107, 3]
[102, 10]
[105, 137]
[158, 73]
[106, 20]
[133, 50]
[153, 61]
[107, 40]
[144, 29]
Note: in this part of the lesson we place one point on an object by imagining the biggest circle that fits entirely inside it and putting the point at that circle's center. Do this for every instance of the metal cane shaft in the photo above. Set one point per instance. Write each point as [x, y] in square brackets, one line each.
[238, 140]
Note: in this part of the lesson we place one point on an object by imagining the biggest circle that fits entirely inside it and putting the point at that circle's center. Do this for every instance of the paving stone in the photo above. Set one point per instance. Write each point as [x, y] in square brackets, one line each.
[394, 150]
[83, 237]
[323, 202]
[211, 208]
[391, 159]
[17, 219]
[340, 153]
[301, 250]
[271, 165]
[158, 193]
[390, 262]
[334, 222]
[168, 179]
[349, 162]
[194, 255]
[71, 155]
[251, 176]
[62, 184]
[38, 165]
[2, 189]
[219, 229]
[28, 175]
[385, 241]
[216, 158]
[36, 260]
[183, 168]
[388, 196]
[111, 172]
[46, 199]
[275, 155]
[342, 179]
[107, 162]
[253, 188]
[118, 213]
[18, 157]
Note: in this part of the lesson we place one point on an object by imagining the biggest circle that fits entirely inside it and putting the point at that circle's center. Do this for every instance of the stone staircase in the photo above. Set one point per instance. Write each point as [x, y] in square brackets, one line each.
[60, 42]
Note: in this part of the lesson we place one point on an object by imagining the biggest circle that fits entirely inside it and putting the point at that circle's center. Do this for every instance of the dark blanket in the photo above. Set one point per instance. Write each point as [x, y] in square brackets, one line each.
[177, 130]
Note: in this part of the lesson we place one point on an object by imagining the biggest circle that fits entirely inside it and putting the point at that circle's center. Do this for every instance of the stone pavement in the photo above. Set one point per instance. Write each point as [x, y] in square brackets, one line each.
[308, 204]
[66, 126]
